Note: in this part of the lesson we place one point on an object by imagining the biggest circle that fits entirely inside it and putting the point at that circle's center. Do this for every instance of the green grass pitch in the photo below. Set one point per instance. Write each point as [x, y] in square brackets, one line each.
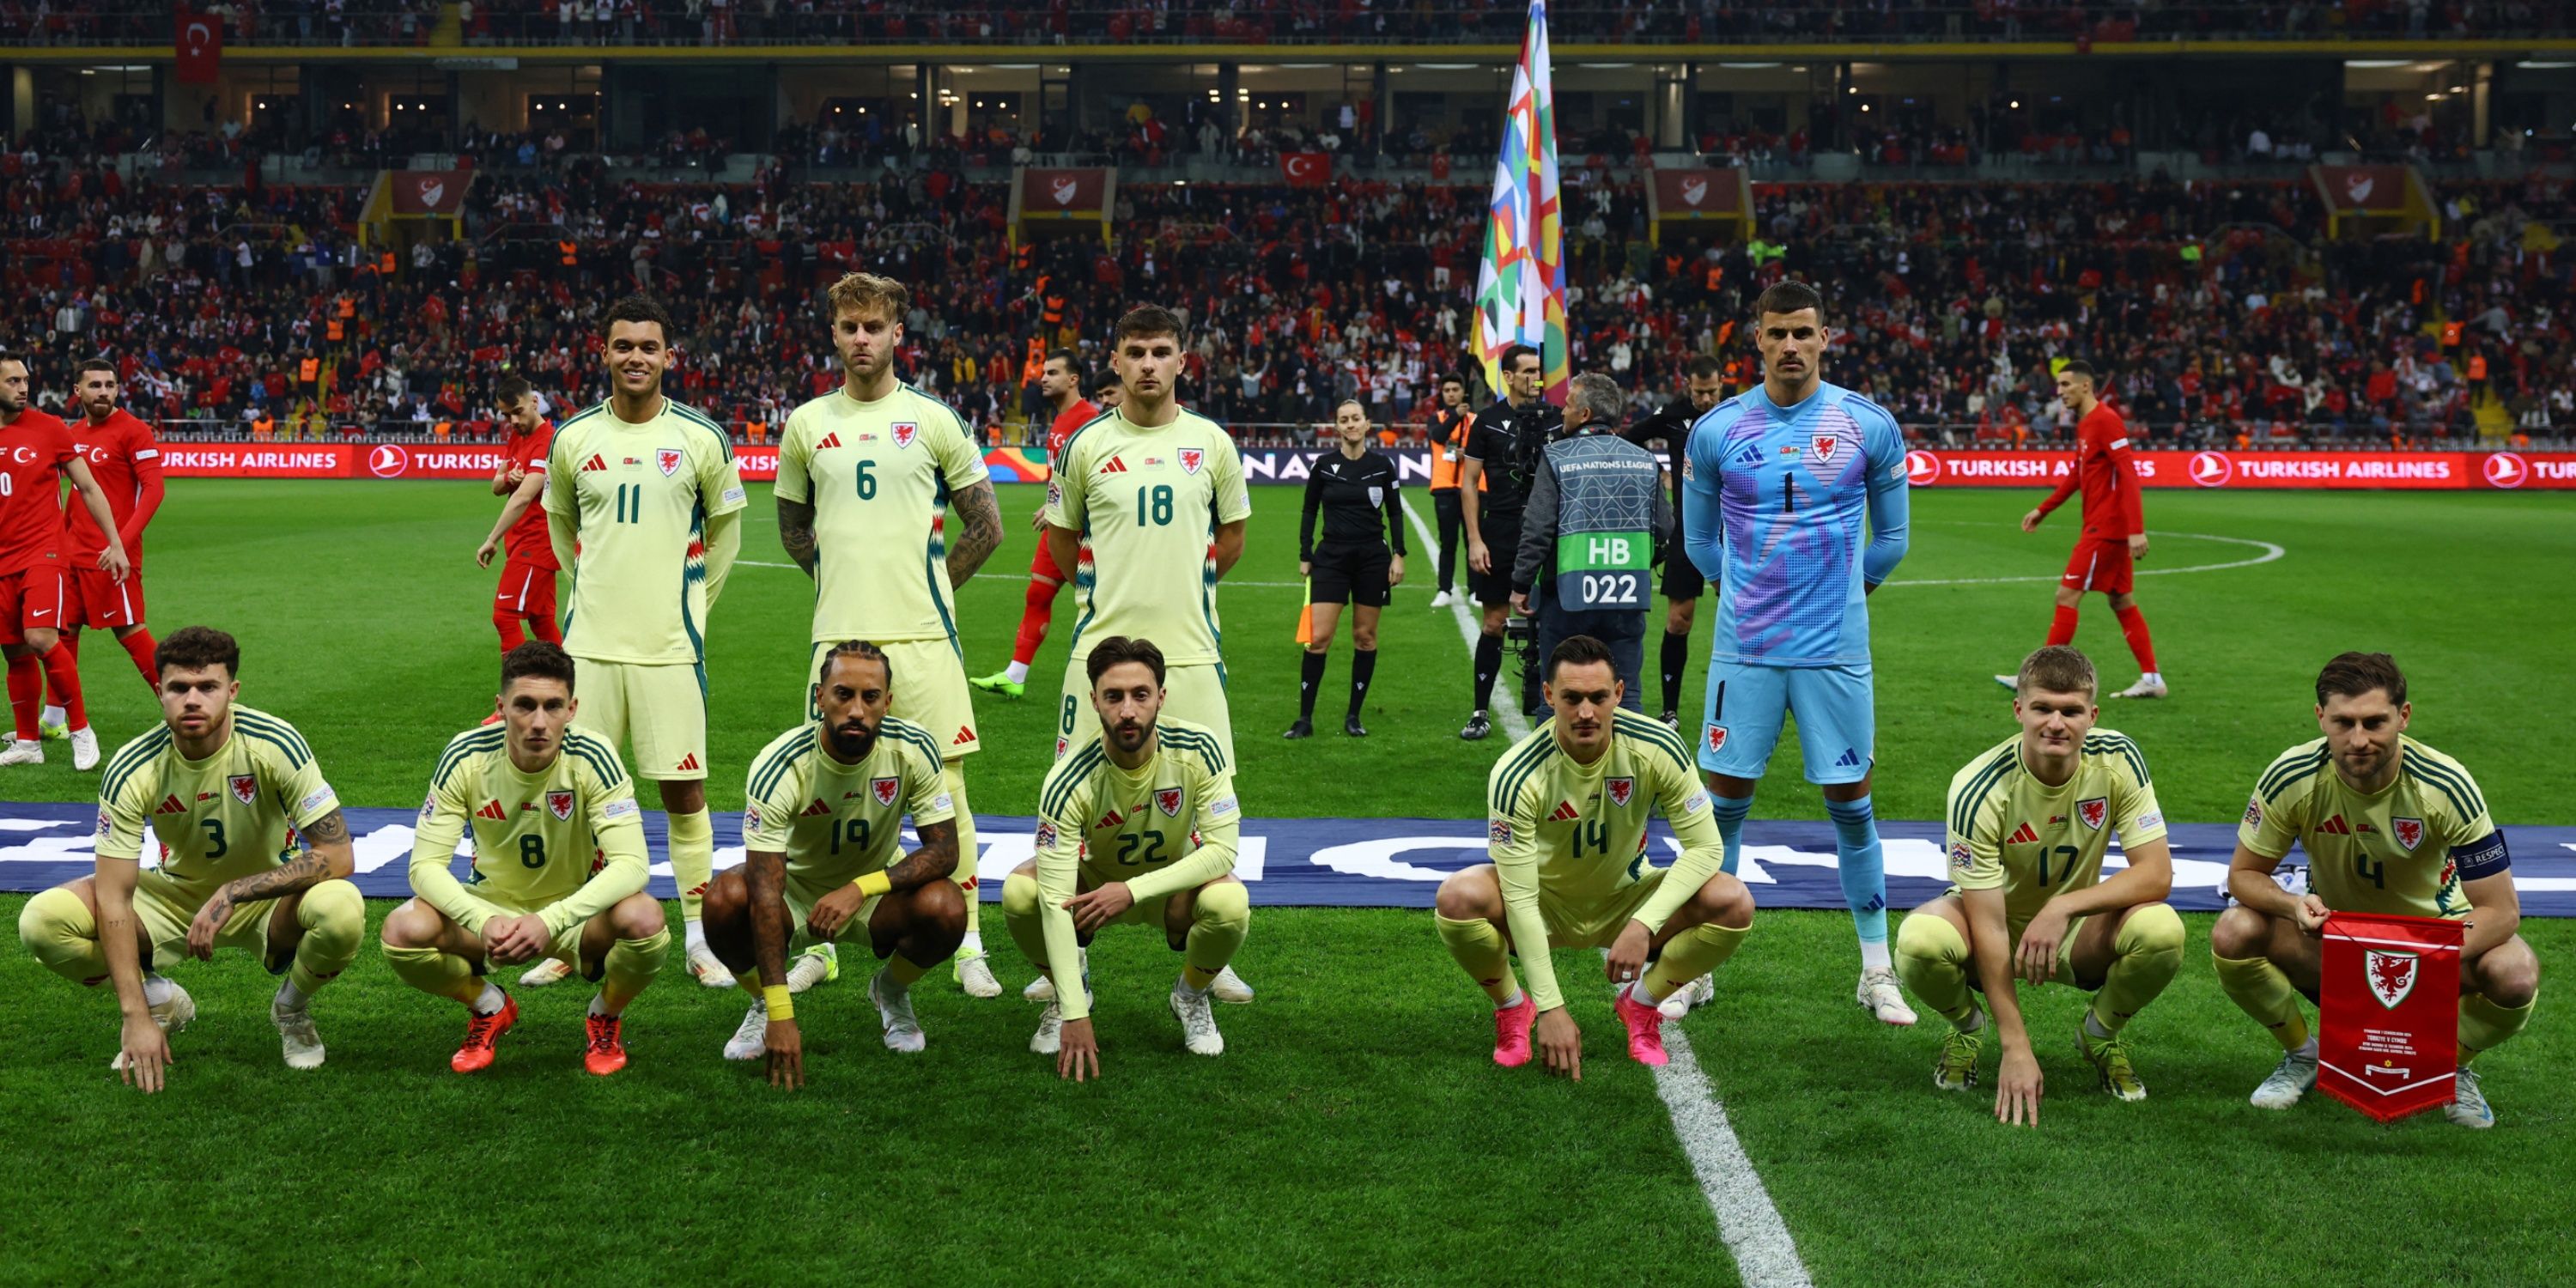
[1354, 1131]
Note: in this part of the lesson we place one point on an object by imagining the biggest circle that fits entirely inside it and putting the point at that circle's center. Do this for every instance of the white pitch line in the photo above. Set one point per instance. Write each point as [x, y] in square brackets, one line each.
[2270, 553]
[1765, 1254]
[1515, 725]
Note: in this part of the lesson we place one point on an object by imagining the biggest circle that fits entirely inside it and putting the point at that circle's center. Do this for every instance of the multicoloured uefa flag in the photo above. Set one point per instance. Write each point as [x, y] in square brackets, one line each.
[1520, 289]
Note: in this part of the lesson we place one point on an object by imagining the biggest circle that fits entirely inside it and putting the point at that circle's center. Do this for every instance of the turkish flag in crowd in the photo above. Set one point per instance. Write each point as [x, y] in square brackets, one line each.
[2388, 1031]
[200, 41]
[1306, 169]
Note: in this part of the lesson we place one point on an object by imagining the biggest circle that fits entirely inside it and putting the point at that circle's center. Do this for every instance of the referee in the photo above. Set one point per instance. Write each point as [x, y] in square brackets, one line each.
[1355, 565]
[1493, 488]
[1667, 434]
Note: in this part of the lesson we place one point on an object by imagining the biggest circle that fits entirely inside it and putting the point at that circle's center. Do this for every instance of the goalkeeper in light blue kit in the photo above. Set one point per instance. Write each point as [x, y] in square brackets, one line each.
[1774, 486]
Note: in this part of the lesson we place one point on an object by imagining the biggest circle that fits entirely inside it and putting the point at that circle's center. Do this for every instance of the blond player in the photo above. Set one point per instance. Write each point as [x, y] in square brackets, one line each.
[1567, 809]
[822, 829]
[2390, 826]
[253, 855]
[868, 474]
[646, 490]
[1137, 826]
[559, 867]
[2030, 820]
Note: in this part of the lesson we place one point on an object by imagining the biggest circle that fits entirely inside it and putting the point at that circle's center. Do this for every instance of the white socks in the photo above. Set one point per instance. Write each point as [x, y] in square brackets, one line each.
[1874, 956]
[54, 716]
[694, 936]
[2308, 1049]
[2153, 677]
[1181, 988]
[599, 1004]
[157, 990]
[1017, 672]
[289, 997]
[492, 1000]
[973, 944]
[1517, 998]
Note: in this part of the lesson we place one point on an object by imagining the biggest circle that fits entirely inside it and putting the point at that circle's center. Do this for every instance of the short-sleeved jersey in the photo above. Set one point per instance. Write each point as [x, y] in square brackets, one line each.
[2107, 473]
[2403, 849]
[1773, 499]
[641, 496]
[835, 822]
[34, 450]
[223, 818]
[2009, 831]
[879, 475]
[1122, 824]
[527, 541]
[1060, 430]
[119, 451]
[1358, 501]
[1148, 503]
[538, 837]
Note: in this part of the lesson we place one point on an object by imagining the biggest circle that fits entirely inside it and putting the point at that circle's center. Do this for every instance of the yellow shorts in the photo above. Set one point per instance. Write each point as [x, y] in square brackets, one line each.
[565, 947]
[1193, 693]
[657, 714]
[801, 899]
[1598, 926]
[929, 690]
[166, 910]
[2065, 951]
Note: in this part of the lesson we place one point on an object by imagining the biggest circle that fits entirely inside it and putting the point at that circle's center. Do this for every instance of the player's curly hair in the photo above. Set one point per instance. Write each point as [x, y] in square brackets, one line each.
[870, 295]
[858, 649]
[1120, 649]
[2056, 668]
[536, 660]
[2351, 675]
[640, 307]
[194, 648]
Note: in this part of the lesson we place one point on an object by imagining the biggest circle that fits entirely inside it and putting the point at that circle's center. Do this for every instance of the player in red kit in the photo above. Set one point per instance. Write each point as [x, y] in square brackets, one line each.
[1061, 382]
[528, 576]
[36, 451]
[125, 458]
[2115, 527]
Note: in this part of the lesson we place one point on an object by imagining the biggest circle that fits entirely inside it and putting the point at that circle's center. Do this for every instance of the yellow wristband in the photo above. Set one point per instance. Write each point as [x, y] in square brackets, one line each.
[776, 998]
[875, 883]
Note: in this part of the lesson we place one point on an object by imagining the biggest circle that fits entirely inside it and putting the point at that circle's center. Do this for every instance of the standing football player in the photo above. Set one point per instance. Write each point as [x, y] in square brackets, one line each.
[126, 460]
[36, 451]
[2115, 527]
[1062, 386]
[1774, 489]
[528, 576]
[2389, 825]
[653, 504]
[867, 474]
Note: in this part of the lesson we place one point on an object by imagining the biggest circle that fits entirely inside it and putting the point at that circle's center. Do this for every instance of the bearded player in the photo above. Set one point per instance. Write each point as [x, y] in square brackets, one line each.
[2115, 527]
[2030, 820]
[36, 451]
[868, 474]
[559, 867]
[252, 854]
[822, 832]
[2389, 825]
[1138, 826]
[1062, 385]
[527, 596]
[125, 458]
[1567, 809]
[650, 499]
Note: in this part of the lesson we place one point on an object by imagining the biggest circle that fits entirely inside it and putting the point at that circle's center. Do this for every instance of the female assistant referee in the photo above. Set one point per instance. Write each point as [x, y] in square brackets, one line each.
[1354, 565]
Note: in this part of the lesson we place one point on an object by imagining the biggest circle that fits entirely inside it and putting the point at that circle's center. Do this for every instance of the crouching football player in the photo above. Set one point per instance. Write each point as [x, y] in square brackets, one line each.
[2029, 821]
[225, 791]
[1568, 811]
[822, 831]
[2389, 826]
[559, 867]
[1137, 826]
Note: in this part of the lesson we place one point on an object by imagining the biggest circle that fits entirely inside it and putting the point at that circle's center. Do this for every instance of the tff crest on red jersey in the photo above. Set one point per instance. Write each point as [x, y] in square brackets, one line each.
[246, 790]
[559, 804]
[905, 431]
[2409, 831]
[1191, 458]
[1168, 800]
[669, 459]
[885, 789]
[2093, 812]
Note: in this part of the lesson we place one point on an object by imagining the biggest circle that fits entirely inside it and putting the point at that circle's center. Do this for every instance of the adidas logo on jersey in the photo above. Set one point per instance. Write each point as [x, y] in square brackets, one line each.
[689, 761]
[2334, 827]
[170, 805]
[1111, 819]
[1114, 466]
[1565, 813]
[2023, 835]
[832, 439]
[493, 811]
[965, 735]
[816, 810]
[595, 463]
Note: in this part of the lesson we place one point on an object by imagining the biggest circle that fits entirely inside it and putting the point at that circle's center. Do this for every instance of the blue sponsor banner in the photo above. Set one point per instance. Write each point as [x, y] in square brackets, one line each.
[1342, 863]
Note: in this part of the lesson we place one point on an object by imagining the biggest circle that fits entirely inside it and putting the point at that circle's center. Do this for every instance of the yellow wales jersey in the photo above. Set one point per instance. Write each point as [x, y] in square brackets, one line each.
[879, 475]
[2404, 849]
[222, 818]
[566, 842]
[1148, 503]
[836, 823]
[1572, 836]
[1171, 824]
[641, 496]
[2009, 831]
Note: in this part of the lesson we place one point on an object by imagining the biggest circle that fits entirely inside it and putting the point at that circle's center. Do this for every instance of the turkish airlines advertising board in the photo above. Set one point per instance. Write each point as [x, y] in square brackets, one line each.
[2426, 470]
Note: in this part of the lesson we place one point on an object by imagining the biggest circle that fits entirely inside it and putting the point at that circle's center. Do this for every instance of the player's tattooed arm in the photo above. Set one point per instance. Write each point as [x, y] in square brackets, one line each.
[765, 877]
[979, 531]
[327, 856]
[796, 532]
[936, 860]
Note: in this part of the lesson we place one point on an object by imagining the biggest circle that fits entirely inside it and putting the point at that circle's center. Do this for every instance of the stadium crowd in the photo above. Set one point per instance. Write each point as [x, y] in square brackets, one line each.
[2219, 312]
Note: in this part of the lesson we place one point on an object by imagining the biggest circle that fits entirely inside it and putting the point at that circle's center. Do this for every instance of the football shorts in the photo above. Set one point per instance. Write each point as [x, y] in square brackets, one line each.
[1042, 565]
[1502, 531]
[30, 600]
[565, 947]
[1354, 577]
[657, 712]
[1747, 705]
[527, 590]
[2100, 565]
[96, 599]
[1597, 926]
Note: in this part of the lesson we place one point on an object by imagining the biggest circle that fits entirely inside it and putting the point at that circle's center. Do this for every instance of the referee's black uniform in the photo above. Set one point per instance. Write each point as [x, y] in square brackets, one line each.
[1505, 441]
[1363, 535]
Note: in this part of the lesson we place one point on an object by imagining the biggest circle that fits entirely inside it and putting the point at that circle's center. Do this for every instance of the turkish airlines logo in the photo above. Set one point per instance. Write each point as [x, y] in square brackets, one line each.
[1064, 190]
[1922, 469]
[1694, 191]
[2212, 469]
[1303, 166]
[2358, 185]
[2504, 469]
[431, 190]
[387, 461]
